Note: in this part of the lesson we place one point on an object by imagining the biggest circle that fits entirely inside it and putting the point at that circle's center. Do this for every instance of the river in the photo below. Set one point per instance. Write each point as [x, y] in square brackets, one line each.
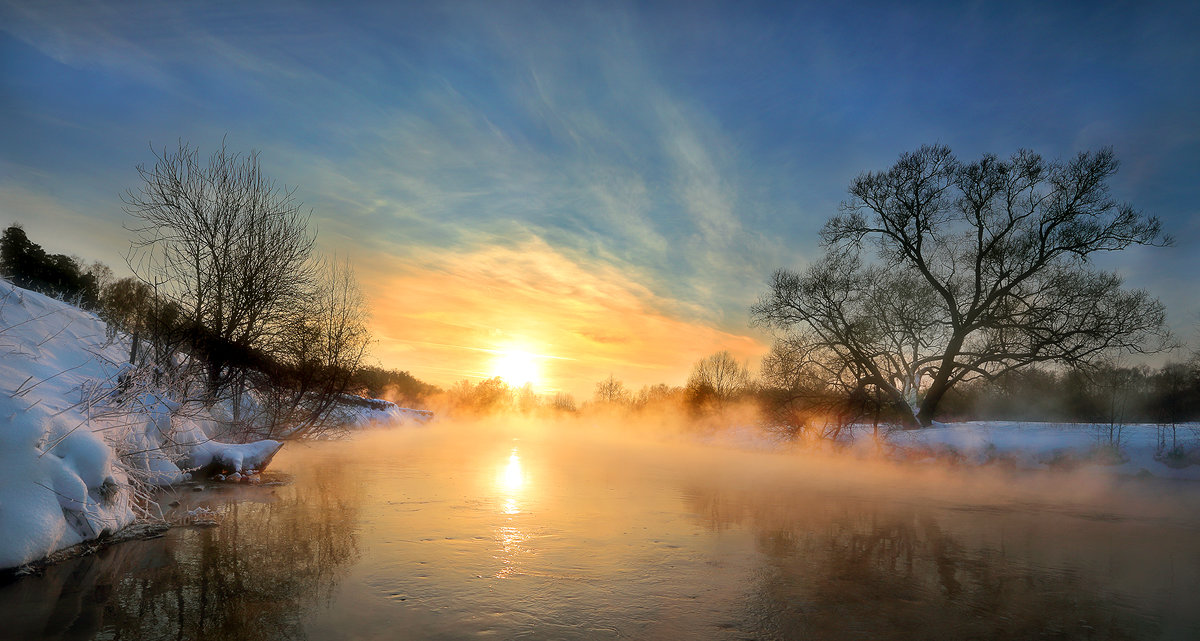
[501, 531]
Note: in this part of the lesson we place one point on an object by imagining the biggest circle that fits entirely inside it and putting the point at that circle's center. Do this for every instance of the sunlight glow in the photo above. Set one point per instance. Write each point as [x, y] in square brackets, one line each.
[516, 367]
[609, 324]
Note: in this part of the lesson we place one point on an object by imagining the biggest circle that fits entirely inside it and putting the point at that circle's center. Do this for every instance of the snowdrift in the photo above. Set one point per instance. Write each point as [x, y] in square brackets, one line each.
[68, 450]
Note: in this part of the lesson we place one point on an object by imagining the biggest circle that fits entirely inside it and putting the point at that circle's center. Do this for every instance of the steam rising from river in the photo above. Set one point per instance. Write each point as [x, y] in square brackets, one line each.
[732, 455]
[600, 526]
[618, 526]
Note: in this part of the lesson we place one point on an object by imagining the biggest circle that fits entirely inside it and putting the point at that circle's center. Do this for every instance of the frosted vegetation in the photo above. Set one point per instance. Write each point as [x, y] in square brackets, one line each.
[86, 434]
[232, 334]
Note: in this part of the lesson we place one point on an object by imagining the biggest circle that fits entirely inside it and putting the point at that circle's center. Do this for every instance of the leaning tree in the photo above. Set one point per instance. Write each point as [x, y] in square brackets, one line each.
[976, 270]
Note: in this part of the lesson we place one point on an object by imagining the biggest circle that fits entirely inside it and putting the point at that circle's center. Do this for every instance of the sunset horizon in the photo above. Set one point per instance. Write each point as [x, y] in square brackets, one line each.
[598, 186]
[669, 320]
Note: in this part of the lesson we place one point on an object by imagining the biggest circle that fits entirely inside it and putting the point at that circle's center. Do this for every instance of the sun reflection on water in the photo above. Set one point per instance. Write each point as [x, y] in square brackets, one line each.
[511, 482]
[513, 477]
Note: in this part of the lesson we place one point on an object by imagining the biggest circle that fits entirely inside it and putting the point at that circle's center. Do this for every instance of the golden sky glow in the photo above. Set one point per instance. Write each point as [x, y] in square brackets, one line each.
[641, 195]
[529, 313]
[517, 367]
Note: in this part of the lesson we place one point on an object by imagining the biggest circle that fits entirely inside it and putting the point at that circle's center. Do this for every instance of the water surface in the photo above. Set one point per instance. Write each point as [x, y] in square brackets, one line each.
[494, 531]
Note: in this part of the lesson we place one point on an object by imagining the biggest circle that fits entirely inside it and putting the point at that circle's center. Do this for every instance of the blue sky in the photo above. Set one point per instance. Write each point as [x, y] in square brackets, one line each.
[675, 152]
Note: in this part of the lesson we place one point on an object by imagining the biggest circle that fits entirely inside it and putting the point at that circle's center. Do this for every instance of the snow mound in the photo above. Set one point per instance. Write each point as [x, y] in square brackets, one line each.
[60, 483]
[226, 457]
[68, 446]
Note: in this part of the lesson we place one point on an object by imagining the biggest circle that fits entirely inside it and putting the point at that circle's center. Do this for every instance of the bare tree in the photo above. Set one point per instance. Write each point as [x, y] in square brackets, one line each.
[318, 354]
[525, 399]
[611, 391]
[658, 395]
[563, 402]
[230, 247]
[982, 268]
[339, 312]
[718, 378]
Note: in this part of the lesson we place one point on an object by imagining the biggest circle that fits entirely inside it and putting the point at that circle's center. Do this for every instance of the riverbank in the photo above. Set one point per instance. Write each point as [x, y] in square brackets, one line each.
[1168, 451]
[84, 441]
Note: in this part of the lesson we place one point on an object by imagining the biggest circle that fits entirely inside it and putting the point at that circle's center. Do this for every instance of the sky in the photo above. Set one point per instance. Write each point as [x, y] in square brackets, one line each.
[606, 187]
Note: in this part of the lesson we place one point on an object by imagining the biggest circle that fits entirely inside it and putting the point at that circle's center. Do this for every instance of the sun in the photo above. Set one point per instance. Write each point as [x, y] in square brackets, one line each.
[516, 367]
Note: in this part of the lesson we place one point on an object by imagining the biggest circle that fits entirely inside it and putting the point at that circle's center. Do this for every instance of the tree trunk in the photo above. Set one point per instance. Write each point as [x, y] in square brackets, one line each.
[908, 417]
[941, 383]
[932, 398]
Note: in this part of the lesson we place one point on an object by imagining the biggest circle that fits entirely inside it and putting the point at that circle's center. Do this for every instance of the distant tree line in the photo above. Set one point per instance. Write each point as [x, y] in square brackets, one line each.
[1101, 394]
[491, 396]
[396, 385]
[717, 382]
[786, 400]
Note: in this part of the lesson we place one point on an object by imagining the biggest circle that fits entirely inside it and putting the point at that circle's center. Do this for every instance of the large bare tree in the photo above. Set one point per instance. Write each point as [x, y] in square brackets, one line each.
[979, 269]
[225, 243]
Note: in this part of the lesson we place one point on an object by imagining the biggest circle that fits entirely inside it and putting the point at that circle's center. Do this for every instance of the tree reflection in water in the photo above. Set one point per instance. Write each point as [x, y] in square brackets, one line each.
[277, 552]
[846, 568]
[584, 541]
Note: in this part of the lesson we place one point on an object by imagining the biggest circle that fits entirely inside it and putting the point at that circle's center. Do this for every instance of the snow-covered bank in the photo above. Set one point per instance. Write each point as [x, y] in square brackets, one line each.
[357, 412]
[1162, 451]
[69, 448]
[1158, 450]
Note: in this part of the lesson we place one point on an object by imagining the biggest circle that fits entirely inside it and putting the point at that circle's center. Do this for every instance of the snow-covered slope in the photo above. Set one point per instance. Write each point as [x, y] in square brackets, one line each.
[59, 481]
[62, 431]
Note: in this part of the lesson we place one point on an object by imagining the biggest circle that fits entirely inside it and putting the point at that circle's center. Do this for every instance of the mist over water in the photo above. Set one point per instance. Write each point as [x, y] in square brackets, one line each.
[595, 529]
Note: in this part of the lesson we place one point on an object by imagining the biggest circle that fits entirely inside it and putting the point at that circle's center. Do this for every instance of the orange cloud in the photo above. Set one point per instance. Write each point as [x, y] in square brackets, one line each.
[443, 316]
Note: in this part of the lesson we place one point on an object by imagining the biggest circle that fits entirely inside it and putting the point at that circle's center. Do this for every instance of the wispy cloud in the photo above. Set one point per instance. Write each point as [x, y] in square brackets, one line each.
[614, 167]
[682, 152]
